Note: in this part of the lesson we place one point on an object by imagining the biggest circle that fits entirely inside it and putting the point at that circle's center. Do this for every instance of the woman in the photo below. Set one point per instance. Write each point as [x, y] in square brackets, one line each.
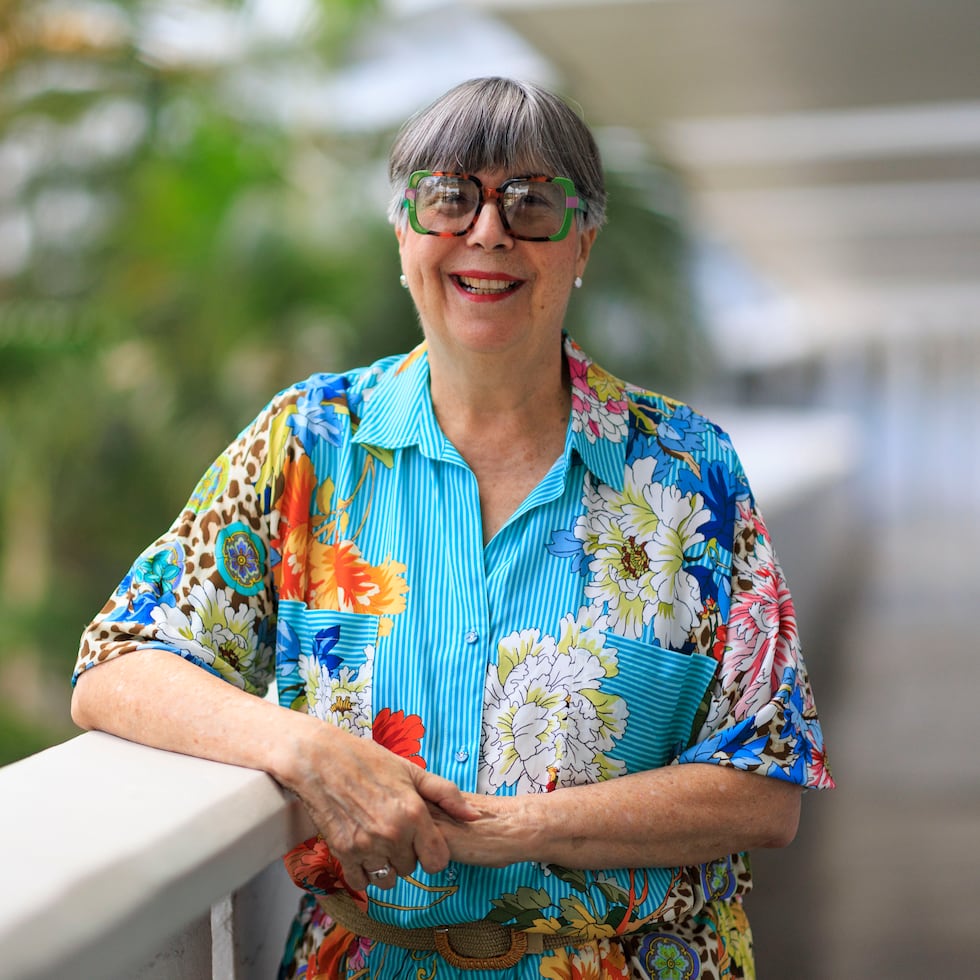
[537, 607]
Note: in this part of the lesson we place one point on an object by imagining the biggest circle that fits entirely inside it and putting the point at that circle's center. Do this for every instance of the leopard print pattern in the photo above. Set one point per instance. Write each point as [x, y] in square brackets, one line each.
[214, 553]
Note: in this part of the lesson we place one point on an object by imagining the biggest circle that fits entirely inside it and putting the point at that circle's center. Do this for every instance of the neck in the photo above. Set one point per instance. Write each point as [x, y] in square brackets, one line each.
[470, 393]
[507, 420]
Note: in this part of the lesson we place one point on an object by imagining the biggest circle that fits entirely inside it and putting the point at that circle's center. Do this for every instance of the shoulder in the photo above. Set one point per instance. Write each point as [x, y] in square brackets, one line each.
[631, 436]
[650, 423]
[346, 391]
[322, 410]
[678, 428]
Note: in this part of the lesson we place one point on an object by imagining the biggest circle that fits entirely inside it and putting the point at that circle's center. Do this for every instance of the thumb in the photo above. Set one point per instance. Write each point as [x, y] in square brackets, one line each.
[446, 795]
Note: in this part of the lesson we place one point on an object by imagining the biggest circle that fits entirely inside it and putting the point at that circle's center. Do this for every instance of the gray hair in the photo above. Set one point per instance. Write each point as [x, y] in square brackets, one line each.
[499, 124]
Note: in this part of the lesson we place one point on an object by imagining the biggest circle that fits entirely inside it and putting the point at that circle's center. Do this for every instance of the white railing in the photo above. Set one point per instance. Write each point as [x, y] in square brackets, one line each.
[121, 861]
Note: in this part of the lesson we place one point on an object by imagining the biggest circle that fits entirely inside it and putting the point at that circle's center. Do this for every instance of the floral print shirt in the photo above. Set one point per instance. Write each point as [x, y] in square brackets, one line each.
[630, 614]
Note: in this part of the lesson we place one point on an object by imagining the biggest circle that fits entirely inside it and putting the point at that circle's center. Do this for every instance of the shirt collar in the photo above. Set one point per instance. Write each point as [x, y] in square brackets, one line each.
[398, 413]
[600, 417]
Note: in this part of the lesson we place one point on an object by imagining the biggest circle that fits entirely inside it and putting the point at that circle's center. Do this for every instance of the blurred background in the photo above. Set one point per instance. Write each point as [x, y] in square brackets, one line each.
[192, 199]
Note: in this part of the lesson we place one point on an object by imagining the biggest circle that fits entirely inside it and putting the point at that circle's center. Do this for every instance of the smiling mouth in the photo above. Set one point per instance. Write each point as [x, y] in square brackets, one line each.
[486, 287]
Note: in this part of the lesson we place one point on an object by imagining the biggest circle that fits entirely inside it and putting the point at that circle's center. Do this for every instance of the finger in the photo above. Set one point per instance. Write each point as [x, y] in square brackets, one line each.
[446, 795]
[393, 833]
[405, 866]
[431, 848]
[355, 876]
[380, 874]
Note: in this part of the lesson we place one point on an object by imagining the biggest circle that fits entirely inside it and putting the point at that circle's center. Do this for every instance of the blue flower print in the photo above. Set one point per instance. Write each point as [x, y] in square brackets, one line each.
[681, 431]
[316, 417]
[719, 488]
[741, 745]
[289, 682]
[668, 957]
[240, 556]
[150, 583]
[160, 571]
[564, 544]
[323, 644]
[795, 730]
[718, 879]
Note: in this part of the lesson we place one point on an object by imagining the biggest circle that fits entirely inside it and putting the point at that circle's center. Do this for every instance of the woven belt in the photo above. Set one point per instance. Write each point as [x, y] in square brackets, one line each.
[481, 945]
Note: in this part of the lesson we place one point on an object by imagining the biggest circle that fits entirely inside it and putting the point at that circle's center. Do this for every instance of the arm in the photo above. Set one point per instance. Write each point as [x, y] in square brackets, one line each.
[676, 816]
[741, 780]
[178, 653]
[369, 805]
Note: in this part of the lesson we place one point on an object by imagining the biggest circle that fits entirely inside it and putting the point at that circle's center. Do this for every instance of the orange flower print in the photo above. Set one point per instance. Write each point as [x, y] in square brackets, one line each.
[341, 579]
[339, 950]
[600, 961]
[313, 867]
[400, 733]
[292, 540]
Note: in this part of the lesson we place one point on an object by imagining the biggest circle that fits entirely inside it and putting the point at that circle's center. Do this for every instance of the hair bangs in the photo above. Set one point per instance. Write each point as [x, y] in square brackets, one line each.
[497, 139]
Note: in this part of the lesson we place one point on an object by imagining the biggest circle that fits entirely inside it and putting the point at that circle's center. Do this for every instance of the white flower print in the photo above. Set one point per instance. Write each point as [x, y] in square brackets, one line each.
[340, 695]
[678, 592]
[637, 541]
[546, 721]
[224, 638]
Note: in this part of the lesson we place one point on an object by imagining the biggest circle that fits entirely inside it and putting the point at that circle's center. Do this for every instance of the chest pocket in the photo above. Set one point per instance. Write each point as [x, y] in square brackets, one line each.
[334, 657]
[663, 690]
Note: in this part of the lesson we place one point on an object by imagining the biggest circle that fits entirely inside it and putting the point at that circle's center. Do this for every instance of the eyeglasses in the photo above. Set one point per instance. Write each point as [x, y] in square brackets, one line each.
[532, 209]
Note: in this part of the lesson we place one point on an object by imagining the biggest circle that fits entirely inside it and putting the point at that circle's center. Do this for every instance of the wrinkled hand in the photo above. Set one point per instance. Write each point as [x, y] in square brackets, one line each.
[374, 808]
[499, 834]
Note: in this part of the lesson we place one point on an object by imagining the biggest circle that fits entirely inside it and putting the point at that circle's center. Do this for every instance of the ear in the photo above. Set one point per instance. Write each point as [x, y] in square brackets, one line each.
[585, 242]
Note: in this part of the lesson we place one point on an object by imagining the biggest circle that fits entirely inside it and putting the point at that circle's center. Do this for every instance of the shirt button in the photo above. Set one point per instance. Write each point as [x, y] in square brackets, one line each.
[472, 636]
[462, 754]
[451, 873]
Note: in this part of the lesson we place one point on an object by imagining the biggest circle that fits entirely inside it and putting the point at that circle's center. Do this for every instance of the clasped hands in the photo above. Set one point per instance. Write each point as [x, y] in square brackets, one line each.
[381, 815]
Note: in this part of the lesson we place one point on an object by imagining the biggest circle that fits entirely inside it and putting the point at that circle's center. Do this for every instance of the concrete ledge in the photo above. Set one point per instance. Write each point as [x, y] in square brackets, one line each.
[110, 848]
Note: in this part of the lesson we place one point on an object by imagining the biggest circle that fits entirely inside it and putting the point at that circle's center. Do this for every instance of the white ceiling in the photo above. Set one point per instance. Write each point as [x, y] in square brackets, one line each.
[834, 143]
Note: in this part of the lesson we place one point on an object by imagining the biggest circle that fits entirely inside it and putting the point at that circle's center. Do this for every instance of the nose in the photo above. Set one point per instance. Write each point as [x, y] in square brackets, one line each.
[488, 231]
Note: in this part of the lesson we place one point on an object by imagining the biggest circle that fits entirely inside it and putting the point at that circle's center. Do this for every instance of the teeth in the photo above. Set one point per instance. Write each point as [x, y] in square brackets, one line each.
[486, 285]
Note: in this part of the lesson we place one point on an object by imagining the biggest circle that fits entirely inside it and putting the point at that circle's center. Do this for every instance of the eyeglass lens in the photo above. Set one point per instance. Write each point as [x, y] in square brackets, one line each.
[531, 208]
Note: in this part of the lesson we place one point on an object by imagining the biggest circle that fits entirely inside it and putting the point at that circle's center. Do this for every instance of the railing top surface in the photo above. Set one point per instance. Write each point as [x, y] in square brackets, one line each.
[103, 838]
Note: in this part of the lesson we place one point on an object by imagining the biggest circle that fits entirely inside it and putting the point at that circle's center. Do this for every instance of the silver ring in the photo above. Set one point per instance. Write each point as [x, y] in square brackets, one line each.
[381, 873]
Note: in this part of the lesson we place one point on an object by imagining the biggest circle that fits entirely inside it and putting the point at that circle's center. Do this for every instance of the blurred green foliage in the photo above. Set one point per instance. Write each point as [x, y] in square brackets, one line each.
[183, 257]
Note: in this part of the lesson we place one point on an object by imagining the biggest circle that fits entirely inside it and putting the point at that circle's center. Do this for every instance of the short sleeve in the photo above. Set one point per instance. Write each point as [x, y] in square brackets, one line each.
[760, 713]
[204, 590]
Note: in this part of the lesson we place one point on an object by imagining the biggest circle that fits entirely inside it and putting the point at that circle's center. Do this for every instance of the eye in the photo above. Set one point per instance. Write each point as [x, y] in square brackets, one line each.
[446, 196]
[531, 198]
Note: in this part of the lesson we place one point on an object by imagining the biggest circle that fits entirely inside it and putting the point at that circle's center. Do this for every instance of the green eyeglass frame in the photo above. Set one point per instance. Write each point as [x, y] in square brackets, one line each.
[572, 204]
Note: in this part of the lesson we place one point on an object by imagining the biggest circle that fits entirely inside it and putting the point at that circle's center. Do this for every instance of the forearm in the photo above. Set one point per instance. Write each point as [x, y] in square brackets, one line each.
[676, 816]
[156, 698]
[369, 805]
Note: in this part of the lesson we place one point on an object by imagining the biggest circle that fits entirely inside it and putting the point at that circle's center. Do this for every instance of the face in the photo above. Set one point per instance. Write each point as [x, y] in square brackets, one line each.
[486, 292]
